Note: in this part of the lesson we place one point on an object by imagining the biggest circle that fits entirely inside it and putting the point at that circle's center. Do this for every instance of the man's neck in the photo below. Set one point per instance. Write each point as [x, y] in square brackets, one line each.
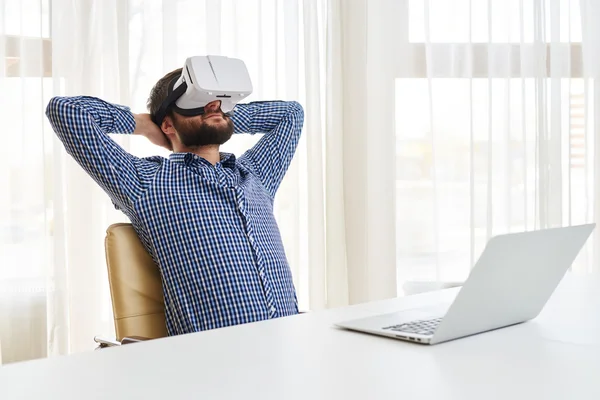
[209, 153]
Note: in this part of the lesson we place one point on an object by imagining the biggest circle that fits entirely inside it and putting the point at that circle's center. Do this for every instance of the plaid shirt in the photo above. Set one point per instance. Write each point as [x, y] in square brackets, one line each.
[210, 229]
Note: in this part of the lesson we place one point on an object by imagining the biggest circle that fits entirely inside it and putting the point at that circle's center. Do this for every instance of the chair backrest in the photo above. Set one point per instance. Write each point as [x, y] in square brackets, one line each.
[135, 285]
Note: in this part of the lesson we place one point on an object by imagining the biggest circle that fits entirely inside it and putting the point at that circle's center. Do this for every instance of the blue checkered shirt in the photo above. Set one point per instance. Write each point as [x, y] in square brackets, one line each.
[209, 228]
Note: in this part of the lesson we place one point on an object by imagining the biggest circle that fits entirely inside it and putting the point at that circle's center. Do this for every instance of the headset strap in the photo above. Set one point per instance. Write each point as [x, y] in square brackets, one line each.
[171, 99]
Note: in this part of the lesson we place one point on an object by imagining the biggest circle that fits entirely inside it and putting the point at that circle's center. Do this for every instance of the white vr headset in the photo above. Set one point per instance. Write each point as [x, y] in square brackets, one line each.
[205, 79]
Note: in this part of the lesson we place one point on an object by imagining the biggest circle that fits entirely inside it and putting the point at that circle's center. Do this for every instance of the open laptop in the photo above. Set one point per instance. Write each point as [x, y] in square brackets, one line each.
[511, 282]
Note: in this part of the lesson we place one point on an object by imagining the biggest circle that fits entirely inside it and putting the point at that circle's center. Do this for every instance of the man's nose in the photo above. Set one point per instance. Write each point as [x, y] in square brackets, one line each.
[213, 106]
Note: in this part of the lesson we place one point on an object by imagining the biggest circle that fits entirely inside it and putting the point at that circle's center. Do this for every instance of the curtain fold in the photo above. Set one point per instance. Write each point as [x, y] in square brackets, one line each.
[335, 207]
[368, 148]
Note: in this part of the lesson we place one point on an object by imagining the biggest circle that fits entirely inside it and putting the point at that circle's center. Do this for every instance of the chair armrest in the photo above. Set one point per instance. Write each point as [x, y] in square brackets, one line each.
[104, 342]
[134, 339]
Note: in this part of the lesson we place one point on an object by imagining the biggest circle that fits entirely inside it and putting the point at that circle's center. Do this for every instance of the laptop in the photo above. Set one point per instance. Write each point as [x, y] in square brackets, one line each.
[511, 282]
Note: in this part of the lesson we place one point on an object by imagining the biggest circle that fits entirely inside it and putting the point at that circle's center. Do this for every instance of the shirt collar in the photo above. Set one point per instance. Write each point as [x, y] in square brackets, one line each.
[227, 159]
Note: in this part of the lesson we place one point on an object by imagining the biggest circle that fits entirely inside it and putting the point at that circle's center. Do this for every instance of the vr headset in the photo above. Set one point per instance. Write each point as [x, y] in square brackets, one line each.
[204, 79]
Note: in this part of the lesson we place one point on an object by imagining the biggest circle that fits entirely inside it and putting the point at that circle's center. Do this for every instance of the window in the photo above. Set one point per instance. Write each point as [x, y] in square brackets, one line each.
[474, 86]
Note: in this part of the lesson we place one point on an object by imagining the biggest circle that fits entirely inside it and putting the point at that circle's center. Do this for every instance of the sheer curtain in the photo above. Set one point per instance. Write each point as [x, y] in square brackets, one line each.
[495, 127]
[26, 168]
[53, 288]
[54, 294]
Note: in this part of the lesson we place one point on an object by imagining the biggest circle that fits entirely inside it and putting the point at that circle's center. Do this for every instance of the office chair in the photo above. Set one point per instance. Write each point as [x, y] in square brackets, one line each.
[135, 288]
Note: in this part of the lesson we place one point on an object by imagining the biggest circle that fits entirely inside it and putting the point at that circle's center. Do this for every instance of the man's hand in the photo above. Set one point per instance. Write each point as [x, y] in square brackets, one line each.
[146, 127]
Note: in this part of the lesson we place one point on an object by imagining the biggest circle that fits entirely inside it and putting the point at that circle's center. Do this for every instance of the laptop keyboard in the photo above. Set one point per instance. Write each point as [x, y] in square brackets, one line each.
[420, 327]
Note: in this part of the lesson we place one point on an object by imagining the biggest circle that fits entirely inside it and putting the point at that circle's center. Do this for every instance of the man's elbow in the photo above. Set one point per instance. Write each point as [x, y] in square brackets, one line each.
[59, 111]
[54, 106]
[296, 111]
[61, 108]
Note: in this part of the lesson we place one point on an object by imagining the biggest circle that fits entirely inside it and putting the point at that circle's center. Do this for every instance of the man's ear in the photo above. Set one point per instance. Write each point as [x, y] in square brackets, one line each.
[168, 128]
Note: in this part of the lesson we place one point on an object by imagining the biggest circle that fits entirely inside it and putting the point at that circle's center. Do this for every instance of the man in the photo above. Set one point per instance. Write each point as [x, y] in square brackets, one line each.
[205, 217]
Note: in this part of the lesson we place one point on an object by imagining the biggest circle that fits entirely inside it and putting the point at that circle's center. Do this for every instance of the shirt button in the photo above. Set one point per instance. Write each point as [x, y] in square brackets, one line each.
[273, 309]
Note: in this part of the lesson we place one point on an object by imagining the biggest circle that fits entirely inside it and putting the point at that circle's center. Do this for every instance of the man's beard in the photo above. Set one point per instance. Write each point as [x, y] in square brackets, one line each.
[197, 132]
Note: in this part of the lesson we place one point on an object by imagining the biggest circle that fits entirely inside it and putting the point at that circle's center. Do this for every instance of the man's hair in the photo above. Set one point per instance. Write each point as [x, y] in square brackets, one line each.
[159, 92]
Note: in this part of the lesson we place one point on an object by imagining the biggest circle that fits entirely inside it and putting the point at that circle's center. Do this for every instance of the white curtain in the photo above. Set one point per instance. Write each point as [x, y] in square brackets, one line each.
[361, 148]
[430, 126]
[495, 127]
[26, 189]
[54, 292]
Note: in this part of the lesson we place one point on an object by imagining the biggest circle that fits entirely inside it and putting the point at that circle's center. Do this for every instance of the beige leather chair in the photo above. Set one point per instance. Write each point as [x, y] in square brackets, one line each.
[135, 286]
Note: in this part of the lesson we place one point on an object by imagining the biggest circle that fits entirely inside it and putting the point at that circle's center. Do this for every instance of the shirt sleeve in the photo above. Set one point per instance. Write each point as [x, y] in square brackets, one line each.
[82, 124]
[281, 122]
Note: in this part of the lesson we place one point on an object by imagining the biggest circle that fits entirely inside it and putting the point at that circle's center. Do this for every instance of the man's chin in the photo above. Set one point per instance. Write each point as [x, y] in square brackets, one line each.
[225, 140]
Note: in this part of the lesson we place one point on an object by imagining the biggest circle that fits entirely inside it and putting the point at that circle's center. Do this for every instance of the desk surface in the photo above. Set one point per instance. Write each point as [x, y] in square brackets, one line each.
[556, 356]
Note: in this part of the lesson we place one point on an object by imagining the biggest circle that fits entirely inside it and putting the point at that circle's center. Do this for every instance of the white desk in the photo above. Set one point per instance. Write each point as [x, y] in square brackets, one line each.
[556, 356]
